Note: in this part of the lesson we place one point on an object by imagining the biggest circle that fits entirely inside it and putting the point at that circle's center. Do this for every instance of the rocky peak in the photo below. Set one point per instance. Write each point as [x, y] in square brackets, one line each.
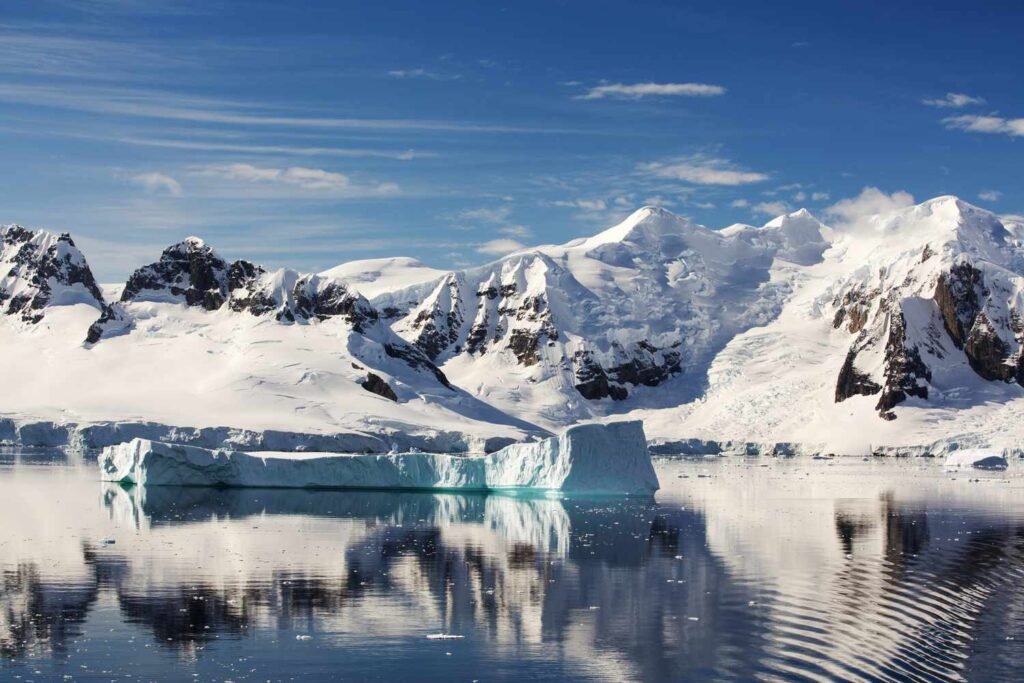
[39, 269]
[189, 271]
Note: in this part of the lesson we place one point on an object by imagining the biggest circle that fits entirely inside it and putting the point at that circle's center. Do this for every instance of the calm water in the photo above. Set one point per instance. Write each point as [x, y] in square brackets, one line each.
[738, 570]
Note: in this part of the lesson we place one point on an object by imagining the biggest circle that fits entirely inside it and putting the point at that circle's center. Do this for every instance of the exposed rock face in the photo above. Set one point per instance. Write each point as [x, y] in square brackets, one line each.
[525, 309]
[192, 273]
[437, 325]
[958, 294]
[189, 271]
[905, 372]
[853, 382]
[39, 269]
[376, 385]
[932, 308]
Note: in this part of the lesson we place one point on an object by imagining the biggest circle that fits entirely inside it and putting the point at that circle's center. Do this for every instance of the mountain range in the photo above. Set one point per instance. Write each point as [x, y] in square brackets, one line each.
[904, 329]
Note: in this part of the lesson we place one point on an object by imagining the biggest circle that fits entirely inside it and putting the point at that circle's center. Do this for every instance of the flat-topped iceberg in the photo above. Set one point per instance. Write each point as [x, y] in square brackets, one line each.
[975, 458]
[592, 459]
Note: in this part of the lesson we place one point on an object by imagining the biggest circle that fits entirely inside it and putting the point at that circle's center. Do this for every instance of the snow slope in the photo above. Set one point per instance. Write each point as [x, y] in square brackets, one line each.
[866, 351]
[197, 342]
[629, 317]
[902, 330]
[373, 276]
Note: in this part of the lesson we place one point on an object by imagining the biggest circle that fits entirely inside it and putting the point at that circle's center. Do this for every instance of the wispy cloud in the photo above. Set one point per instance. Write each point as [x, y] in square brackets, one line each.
[405, 155]
[499, 217]
[311, 179]
[703, 171]
[499, 247]
[635, 91]
[151, 7]
[584, 204]
[990, 195]
[857, 212]
[986, 124]
[156, 182]
[770, 208]
[953, 100]
[171, 106]
[739, 203]
[423, 74]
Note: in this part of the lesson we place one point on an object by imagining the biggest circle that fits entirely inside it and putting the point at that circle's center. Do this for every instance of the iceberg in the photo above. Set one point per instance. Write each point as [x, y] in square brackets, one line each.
[591, 459]
[975, 458]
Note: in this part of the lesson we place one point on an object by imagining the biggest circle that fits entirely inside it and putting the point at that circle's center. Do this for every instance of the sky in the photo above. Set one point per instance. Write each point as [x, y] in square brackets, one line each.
[307, 134]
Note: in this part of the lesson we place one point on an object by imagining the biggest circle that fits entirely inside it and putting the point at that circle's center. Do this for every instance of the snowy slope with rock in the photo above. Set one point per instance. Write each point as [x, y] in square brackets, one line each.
[196, 341]
[908, 332]
[627, 318]
[902, 329]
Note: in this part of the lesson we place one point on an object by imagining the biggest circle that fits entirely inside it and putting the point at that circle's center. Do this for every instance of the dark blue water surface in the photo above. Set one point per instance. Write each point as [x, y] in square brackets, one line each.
[739, 569]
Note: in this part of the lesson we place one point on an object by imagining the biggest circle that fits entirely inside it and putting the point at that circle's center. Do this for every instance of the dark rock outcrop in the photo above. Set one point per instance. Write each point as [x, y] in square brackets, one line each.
[46, 269]
[959, 294]
[905, 373]
[852, 382]
[376, 385]
[190, 271]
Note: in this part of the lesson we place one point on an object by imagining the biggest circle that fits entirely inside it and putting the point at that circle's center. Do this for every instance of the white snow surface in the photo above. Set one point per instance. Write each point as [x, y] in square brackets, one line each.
[373, 276]
[749, 310]
[591, 459]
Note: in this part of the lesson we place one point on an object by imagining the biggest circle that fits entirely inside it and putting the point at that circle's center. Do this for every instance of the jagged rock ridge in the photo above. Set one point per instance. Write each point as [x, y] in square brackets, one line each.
[39, 269]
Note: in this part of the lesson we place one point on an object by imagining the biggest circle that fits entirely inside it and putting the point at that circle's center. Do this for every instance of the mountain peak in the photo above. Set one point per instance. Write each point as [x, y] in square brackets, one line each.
[644, 223]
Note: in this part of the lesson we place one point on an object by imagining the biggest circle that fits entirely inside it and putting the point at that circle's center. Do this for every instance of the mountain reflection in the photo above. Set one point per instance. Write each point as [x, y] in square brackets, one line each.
[884, 587]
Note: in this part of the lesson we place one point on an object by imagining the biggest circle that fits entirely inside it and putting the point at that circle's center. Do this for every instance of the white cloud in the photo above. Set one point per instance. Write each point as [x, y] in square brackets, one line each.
[423, 73]
[857, 211]
[637, 90]
[703, 171]
[953, 100]
[157, 182]
[312, 179]
[739, 204]
[402, 155]
[986, 124]
[800, 196]
[584, 204]
[515, 231]
[499, 247]
[498, 216]
[704, 205]
[990, 195]
[770, 208]
[820, 196]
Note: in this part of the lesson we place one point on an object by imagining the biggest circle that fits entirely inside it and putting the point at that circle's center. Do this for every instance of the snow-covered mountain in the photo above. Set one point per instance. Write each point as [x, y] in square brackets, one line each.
[906, 328]
[631, 316]
[39, 270]
[908, 331]
[197, 341]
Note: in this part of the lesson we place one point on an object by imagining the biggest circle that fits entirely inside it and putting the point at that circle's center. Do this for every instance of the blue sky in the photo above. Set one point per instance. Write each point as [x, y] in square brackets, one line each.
[311, 133]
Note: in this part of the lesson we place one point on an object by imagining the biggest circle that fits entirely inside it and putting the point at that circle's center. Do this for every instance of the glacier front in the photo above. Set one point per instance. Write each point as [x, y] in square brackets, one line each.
[590, 459]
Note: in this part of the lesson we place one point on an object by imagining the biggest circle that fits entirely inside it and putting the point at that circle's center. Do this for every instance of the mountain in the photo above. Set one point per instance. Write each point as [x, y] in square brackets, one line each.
[197, 341]
[900, 329]
[373, 276]
[40, 270]
[629, 317]
[908, 331]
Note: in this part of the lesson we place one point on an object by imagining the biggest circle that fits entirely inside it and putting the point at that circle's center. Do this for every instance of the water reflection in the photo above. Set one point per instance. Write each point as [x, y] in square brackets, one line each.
[736, 577]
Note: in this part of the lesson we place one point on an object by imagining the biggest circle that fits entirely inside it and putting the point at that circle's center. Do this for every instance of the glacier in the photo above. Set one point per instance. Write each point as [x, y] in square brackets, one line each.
[592, 458]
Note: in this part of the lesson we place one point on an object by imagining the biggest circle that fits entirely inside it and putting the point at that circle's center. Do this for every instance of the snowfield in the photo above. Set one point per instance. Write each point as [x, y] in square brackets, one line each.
[591, 459]
[903, 333]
